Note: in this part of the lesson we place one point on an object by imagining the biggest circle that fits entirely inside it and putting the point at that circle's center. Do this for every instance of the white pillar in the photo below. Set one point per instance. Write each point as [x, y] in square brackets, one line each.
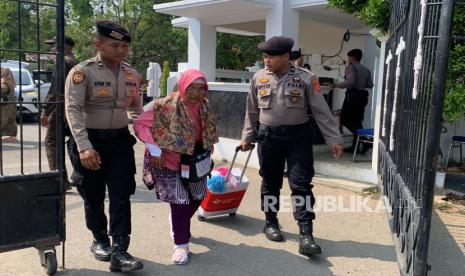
[202, 48]
[378, 91]
[283, 21]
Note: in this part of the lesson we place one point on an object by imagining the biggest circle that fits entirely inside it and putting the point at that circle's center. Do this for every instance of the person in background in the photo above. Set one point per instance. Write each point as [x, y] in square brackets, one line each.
[357, 80]
[48, 116]
[8, 122]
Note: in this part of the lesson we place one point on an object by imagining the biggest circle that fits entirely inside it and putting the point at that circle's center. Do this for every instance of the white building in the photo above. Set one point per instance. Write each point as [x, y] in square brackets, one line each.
[317, 29]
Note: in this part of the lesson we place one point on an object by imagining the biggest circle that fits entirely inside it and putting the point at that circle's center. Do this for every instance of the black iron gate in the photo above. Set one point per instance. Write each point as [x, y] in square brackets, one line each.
[32, 202]
[414, 84]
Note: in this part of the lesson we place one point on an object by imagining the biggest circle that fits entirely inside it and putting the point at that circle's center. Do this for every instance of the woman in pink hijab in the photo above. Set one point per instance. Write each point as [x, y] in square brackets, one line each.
[178, 128]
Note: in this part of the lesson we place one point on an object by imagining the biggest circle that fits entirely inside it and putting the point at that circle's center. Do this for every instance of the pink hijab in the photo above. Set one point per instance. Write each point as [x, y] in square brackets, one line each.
[187, 78]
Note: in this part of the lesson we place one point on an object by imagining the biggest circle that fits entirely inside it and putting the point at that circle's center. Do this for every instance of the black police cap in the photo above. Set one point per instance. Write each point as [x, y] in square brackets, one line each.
[295, 55]
[68, 41]
[113, 30]
[277, 45]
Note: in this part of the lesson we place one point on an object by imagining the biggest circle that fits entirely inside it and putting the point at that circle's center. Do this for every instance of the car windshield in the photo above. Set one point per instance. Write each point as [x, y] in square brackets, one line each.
[25, 77]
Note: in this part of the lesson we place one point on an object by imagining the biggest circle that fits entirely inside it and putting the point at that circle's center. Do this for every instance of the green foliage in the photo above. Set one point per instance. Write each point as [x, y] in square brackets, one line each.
[454, 103]
[24, 14]
[374, 13]
[153, 37]
[237, 52]
[164, 78]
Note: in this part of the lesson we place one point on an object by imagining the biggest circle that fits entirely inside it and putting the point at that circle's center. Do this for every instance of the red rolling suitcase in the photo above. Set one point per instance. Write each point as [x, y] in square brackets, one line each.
[227, 203]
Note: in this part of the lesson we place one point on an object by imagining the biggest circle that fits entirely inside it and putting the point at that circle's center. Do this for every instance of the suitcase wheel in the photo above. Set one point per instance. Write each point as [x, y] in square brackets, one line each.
[232, 215]
[200, 218]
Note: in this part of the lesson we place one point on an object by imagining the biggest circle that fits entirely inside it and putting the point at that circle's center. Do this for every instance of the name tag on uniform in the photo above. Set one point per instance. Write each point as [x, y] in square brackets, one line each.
[184, 171]
[203, 167]
[131, 89]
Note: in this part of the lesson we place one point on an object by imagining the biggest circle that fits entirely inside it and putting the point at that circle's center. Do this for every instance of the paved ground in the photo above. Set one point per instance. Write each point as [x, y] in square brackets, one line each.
[354, 243]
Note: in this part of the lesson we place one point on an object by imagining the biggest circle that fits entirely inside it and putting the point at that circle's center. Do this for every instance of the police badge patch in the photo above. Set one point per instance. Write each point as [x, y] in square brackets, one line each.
[316, 86]
[103, 91]
[262, 92]
[295, 99]
[78, 77]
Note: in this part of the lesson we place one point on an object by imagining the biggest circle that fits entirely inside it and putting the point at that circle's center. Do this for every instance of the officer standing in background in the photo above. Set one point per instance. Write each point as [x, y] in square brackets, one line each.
[48, 117]
[98, 93]
[357, 80]
[276, 117]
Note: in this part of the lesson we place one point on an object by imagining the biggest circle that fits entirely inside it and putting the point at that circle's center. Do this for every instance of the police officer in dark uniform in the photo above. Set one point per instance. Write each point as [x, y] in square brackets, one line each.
[357, 80]
[277, 118]
[48, 117]
[98, 93]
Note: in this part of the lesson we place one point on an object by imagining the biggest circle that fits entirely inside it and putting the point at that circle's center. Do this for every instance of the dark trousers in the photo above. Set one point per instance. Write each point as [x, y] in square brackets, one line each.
[181, 215]
[50, 142]
[116, 173]
[353, 110]
[291, 144]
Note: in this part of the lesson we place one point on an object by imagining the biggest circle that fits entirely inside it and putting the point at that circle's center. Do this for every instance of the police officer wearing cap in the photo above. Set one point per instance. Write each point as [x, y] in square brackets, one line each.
[357, 80]
[277, 118]
[98, 93]
[48, 116]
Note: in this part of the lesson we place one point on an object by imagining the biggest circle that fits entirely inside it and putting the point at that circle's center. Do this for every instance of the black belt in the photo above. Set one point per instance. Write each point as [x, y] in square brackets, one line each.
[108, 134]
[356, 90]
[286, 128]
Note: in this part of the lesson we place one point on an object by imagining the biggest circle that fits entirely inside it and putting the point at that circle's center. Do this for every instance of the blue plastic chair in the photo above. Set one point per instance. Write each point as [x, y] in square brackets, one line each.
[364, 135]
[456, 142]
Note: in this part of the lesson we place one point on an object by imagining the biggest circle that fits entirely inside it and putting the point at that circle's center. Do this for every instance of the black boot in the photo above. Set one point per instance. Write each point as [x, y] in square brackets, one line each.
[101, 247]
[121, 260]
[307, 245]
[272, 231]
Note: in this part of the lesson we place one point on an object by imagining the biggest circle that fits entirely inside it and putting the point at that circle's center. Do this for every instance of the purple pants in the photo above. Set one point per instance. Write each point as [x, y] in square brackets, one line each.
[181, 215]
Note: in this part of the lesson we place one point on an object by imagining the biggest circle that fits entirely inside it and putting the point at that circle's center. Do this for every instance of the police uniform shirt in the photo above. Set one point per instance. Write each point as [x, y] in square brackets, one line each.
[284, 101]
[357, 76]
[70, 62]
[97, 99]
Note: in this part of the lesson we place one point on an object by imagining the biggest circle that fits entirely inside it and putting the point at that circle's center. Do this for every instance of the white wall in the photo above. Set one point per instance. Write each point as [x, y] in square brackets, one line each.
[453, 129]
[317, 38]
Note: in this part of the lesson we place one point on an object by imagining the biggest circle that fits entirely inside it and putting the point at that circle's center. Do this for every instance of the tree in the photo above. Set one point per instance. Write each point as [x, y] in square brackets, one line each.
[237, 52]
[164, 78]
[374, 13]
[153, 37]
[454, 103]
[19, 22]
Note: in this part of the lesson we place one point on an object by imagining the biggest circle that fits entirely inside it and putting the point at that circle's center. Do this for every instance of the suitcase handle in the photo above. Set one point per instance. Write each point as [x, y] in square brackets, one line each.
[238, 148]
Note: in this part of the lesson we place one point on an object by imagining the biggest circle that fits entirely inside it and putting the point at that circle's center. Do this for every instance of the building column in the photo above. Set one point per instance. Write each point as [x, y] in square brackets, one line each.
[202, 47]
[283, 21]
[378, 92]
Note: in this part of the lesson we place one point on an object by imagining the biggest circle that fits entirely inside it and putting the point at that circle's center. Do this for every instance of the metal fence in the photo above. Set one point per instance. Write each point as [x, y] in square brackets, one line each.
[414, 84]
[32, 202]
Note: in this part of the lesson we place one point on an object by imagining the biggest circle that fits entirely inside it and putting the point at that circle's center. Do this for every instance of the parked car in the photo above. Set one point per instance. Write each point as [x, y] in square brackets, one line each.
[26, 89]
